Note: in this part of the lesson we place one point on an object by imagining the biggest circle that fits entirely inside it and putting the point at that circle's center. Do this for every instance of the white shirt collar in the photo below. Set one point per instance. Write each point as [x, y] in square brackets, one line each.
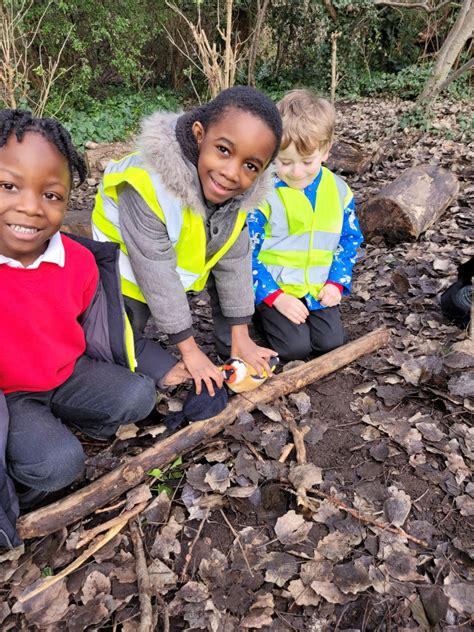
[54, 253]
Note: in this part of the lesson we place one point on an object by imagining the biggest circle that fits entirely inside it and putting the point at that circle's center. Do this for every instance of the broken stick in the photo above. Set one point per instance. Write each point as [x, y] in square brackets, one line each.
[85, 501]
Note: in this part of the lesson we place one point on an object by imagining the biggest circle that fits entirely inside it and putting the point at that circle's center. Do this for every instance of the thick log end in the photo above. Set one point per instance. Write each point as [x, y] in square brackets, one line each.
[409, 205]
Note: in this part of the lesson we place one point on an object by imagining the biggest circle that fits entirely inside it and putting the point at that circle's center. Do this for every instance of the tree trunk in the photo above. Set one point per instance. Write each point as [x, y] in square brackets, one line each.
[134, 470]
[454, 43]
[228, 43]
[410, 204]
[261, 10]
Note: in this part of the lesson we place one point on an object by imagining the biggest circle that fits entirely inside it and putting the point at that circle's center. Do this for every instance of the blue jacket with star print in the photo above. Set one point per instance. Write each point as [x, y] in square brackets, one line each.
[344, 257]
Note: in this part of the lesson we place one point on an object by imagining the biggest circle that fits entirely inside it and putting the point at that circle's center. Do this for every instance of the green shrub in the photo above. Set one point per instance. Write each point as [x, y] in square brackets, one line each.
[115, 117]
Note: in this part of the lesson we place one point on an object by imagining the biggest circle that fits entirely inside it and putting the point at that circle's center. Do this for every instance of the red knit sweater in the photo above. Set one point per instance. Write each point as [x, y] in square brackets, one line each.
[40, 337]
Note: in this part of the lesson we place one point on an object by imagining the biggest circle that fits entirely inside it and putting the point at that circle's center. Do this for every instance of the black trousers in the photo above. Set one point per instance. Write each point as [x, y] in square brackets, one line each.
[98, 397]
[139, 313]
[321, 332]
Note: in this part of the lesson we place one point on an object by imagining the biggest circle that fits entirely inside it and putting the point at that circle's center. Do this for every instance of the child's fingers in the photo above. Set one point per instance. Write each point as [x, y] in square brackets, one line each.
[210, 385]
[198, 383]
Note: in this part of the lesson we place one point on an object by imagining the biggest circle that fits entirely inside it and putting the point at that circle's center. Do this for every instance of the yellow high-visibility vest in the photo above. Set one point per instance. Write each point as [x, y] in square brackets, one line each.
[185, 227]
[300, 242]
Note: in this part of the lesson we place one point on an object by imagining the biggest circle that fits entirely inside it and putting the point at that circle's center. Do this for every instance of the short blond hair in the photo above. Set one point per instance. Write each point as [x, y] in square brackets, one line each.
[308, 122]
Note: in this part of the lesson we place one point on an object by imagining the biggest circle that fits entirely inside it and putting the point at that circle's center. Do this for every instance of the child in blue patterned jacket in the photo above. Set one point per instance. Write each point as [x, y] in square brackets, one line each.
[305, 237]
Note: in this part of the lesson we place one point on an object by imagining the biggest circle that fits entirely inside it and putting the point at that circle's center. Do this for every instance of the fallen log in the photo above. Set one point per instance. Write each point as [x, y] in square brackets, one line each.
[86, 500]
[98, 155]
[349, 156]
[410, 204]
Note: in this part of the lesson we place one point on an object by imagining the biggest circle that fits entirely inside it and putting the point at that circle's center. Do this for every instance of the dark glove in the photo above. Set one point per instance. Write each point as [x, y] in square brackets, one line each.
[198, 407]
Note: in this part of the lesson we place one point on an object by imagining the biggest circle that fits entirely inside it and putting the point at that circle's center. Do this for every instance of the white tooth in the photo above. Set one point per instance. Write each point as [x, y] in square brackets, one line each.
[24, 229]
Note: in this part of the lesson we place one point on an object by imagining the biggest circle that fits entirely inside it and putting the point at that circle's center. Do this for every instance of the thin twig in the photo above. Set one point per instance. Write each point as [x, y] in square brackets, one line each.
[298, 435]
[237, 537]
[285, 453]
[143, 580]
[50, 581]
[164, 613]
[190, 550]
[367, 519]
[89, 535]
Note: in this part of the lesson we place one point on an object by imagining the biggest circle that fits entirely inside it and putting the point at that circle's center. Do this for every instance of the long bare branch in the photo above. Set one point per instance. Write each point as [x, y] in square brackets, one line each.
[415, 5]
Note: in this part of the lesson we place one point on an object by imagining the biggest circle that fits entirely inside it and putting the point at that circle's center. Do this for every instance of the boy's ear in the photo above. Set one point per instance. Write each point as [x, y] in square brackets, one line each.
[198, 131]
[326, 155]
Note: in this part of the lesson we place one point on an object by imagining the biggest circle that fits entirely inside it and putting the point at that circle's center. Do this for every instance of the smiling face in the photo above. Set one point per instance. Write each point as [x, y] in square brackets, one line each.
[34, 189]
[298, 171]
[233, 152]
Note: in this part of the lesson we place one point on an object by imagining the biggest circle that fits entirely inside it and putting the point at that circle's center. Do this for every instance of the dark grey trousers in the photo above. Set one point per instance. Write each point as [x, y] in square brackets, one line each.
[138, 314]
[321, 332]
[42, 453]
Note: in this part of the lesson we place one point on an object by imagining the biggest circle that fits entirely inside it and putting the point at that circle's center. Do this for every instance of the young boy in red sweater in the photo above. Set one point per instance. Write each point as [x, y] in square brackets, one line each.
[60, 355]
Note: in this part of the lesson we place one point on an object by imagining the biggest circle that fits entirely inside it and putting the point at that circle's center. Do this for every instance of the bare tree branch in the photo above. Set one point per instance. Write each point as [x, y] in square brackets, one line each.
[453, 76]
[414, 5]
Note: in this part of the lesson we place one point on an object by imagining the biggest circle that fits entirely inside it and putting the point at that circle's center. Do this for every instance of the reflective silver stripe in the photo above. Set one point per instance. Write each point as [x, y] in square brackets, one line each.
[133, 160]
[318, 274]
[289, 242]
[171, 207]
[288, 276]
[325, 241]
[342, 188]
[278, 219]
[187, 277]
[124, 262]
[110, 209]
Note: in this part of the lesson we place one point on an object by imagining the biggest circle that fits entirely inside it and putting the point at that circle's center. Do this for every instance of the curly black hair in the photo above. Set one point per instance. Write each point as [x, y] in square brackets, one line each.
[20, 122]
[243, 98]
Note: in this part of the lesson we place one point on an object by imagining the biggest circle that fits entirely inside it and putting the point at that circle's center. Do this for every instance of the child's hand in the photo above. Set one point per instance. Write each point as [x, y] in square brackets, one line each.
[177, 375]
[244, 347]
[329, 296]
[202, 370]
[291, 307]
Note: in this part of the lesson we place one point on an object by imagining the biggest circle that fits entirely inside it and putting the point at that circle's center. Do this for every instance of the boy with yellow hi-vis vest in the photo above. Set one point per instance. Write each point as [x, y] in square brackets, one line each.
[304, 237]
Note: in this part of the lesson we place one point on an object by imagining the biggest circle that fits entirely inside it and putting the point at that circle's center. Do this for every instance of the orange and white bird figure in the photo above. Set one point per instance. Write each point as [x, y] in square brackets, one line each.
[241, 377]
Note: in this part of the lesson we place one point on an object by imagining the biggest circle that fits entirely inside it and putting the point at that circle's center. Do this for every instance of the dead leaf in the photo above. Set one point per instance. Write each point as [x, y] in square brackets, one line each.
[335, 546]
[461, 596]
[435, 603]
[292, 528]
[397, 507]
[302, 402]
[46, 608]
[138, 495]
[462, 385]
[270, 411]
[218, 478]
[303, 595]
[166, 542]
[402, 566]
[465, 504]
[330, 592]
[279, 567]
[96, 584]
[195, 476]
[159, 509]
[430, 431]
[162, 578]
[128, 431]
[193, 592]
[352, 577]
[305, 476]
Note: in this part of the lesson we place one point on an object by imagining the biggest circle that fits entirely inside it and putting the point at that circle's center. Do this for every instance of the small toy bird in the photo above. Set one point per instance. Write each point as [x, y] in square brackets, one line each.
[241, 377]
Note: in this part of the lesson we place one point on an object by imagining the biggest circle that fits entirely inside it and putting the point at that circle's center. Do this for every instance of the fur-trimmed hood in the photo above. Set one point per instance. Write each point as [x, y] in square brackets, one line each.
[162, 154]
